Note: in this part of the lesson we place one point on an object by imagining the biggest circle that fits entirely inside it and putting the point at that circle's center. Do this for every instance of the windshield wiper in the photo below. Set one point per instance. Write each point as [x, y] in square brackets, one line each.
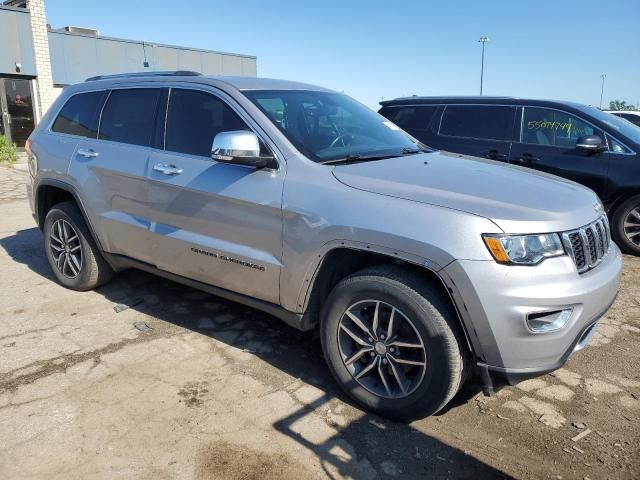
[367, 158]
[411, 151]
[357, 158]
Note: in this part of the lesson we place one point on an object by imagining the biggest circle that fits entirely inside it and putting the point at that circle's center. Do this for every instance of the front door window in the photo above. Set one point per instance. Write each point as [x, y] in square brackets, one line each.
[543, 126]
[194, 118]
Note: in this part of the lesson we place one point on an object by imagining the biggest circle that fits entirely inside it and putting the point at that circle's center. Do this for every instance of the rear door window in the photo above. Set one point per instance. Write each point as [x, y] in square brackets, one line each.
[129, 116]
[485, 122]
[80, 114]
[194, 118]
[544, 126]
[411, 118]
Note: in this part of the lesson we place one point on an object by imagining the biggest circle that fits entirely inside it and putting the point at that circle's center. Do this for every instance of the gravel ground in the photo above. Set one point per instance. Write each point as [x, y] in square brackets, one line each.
[186, 385]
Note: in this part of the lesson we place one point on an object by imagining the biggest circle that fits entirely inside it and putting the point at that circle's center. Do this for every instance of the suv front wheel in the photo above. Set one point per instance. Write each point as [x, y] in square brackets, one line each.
[73, 255]
[626, 225]
[392, 342]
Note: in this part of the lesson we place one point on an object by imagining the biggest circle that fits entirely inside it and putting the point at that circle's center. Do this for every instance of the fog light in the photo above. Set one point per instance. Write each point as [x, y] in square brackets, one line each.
[545, 322]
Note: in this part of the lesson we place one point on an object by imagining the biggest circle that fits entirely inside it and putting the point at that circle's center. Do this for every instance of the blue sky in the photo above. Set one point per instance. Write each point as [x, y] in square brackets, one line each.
[553, 49]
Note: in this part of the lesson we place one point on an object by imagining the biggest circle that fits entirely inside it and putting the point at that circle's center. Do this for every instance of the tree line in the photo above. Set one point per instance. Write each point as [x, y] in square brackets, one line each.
[621, 105]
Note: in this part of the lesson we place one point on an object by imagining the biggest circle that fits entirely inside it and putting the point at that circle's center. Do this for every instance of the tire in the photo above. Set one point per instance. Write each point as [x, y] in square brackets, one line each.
[626, 237]
[430, 316]
[85, 271]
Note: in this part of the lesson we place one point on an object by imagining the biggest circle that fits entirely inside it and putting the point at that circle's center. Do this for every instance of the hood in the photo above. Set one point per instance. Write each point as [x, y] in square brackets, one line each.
[517, 199]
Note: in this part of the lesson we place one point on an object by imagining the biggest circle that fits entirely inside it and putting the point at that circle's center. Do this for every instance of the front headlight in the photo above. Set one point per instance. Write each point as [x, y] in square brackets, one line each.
[524, 249]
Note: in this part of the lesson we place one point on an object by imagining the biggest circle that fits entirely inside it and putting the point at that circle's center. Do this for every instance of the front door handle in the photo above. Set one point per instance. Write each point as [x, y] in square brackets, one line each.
[167, 169]
[91, 153]
[528, 158]
[495, 155]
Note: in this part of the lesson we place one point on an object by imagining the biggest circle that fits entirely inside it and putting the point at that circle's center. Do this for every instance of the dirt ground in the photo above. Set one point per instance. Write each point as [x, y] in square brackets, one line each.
[186, 385]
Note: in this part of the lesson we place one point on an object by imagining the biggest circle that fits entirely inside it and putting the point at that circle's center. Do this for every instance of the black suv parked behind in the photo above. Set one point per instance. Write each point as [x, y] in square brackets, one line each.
[567, 139]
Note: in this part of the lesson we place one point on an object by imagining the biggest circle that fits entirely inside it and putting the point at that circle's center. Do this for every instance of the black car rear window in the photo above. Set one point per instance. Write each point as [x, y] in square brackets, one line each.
[490, 122]
[410, 118]
[80, 114]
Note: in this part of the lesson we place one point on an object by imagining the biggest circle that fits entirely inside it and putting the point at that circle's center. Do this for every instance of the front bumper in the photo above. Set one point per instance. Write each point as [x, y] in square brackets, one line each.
[494, 378]
[494, 299]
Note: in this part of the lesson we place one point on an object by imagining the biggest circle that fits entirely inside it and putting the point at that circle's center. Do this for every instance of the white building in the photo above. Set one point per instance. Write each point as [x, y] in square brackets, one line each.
[36, 62]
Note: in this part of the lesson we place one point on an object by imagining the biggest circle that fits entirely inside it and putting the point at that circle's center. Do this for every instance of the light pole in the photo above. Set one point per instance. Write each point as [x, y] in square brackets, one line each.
[603, 76]
[483, 41]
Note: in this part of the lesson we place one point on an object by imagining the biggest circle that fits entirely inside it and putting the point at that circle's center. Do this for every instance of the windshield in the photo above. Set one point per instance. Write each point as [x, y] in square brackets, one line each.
[624, 127]
[328, 126]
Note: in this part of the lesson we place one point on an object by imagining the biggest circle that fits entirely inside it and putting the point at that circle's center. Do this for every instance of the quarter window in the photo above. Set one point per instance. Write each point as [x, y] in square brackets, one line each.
[129, 116]
[616, 147]
[543, 126]
[79, 116]
[195, 118]
[486, 122]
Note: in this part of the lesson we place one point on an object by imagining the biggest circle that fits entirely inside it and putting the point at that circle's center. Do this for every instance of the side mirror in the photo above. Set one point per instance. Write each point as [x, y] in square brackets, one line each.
[590, 143]
[240, 147]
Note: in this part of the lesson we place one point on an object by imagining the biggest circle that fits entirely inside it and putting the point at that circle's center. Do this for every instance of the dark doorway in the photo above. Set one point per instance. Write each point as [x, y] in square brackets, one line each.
[16, 106]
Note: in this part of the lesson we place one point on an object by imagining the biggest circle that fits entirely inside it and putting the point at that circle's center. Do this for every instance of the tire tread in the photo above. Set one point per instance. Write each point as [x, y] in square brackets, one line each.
[617, 225]
[98, 270]
[429, 296]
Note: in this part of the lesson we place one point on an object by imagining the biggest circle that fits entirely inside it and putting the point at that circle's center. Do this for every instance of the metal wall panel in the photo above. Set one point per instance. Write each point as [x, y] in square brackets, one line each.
[211, 63]
[249, 67]
[231, 65]
[58, 62]
[16, 44]
[110, 57]
[164, 58]
[80, 57]
[75, 57]
[189, 60]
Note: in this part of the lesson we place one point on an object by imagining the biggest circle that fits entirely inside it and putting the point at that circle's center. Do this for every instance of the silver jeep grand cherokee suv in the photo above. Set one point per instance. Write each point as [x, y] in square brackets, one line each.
[420, 267]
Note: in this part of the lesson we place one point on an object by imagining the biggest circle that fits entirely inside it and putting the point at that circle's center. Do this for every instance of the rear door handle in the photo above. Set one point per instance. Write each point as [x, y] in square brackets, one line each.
[528, 158]
[91, 153]
[495, 155]
[167, 169]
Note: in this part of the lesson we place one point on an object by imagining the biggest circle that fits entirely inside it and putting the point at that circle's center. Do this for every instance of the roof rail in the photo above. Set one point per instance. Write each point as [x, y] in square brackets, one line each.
[180, 73]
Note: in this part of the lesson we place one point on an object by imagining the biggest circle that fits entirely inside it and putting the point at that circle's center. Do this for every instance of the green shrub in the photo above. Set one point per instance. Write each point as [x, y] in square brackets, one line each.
[8, 151]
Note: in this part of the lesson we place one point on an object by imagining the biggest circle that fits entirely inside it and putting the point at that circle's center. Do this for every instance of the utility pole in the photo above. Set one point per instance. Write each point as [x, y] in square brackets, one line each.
[603, 76]
[483, 41]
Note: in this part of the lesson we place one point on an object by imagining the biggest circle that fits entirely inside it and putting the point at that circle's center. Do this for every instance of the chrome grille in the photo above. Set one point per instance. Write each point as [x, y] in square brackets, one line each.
[588, 245]
[591, 242]
[602, 249]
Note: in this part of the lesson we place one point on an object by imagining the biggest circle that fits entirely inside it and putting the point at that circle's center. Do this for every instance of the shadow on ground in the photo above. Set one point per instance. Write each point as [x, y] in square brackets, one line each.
[387, 445]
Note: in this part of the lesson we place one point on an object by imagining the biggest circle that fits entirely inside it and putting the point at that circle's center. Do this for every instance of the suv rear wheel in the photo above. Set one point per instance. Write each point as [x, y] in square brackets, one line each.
[392, 342]
[626, 225]
[72, 253]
